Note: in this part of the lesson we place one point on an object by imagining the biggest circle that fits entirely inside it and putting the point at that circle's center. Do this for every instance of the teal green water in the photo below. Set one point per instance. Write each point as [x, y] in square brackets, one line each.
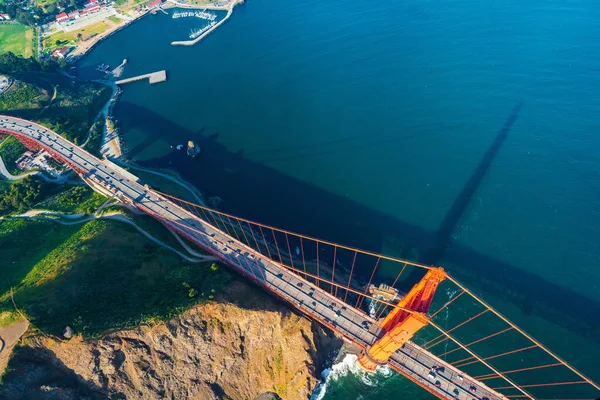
[364, 125]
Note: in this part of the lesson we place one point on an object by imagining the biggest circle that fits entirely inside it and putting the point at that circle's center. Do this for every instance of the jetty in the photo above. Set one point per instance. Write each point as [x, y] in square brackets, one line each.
[227, 6]
[118, 71]
[203, 35]
[153, 77]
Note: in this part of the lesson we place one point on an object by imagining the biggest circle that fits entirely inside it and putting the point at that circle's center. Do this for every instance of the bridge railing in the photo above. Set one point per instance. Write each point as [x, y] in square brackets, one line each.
[464, 330]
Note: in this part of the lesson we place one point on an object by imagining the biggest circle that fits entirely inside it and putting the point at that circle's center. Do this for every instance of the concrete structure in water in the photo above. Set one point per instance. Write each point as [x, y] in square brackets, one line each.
[153, 77]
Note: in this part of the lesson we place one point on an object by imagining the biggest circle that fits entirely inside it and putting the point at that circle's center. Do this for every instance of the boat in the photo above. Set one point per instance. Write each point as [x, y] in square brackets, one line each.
[102, 67]
[385, 292]
[193, 150]
[195, 33]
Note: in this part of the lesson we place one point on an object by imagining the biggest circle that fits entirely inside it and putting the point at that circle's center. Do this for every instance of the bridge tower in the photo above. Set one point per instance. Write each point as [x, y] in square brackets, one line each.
[403, 321]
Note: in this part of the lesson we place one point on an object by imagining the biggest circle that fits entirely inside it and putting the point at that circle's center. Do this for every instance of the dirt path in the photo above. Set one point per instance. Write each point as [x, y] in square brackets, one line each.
[80, 219]
[51, 100]
[4, 172]
[9, 336]
[103, 113]
[60, 180]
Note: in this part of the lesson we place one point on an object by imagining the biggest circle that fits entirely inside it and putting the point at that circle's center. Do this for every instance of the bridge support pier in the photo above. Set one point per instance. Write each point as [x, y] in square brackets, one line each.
[403, 321]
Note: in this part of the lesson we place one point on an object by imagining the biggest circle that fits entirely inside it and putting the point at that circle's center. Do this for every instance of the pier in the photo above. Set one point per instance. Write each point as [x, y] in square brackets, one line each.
[153, 77]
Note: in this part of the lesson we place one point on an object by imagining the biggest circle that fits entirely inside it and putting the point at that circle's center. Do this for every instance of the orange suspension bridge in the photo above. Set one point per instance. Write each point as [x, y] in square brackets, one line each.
[482, 356]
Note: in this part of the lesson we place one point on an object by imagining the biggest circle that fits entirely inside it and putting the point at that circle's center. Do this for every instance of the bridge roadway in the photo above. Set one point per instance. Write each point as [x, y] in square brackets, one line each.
[411, 361]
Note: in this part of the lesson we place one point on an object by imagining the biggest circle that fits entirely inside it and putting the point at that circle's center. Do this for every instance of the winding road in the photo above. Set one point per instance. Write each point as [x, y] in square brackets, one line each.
[80, 218]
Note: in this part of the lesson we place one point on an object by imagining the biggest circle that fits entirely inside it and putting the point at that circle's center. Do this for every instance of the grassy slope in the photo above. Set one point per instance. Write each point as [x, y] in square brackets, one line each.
[10, 150]
[115, 19]
[98, 276]
[70, 38]
[24, 96]
[78, 199]
[71, 113]
[16, 38]
[18, 252]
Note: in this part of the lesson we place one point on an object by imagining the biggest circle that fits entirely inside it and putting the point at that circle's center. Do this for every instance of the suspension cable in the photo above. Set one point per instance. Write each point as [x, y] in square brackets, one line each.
[426, 347]
[478, 340]
[490, 376]
[494, 356]
[447, 304]
[544, 384]
[368, 284]
[350, 277]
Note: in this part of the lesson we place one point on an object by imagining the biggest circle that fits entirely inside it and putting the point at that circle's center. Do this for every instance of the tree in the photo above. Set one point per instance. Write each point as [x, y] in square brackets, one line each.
[51, 9]
[11, 64]
[25, 18]
[21, 195]
[79, 36]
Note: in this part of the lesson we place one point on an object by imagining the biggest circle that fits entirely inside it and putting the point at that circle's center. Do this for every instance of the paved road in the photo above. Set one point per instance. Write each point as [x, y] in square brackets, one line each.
[412, 361]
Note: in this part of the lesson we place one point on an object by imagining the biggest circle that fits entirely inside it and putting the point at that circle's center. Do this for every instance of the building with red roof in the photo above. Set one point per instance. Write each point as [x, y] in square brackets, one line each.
[91, 8]
[61, 53]
[154, 4]
[62, 17]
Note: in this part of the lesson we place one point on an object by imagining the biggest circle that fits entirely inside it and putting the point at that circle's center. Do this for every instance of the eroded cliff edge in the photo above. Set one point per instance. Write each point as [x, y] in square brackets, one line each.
[242, 345]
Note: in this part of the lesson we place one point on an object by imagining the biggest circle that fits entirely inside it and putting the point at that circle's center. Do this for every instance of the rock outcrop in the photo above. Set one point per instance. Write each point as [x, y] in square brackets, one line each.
[226, 349]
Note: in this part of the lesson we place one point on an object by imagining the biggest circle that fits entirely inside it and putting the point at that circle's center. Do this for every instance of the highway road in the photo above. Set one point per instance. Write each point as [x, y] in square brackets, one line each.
[411, 361]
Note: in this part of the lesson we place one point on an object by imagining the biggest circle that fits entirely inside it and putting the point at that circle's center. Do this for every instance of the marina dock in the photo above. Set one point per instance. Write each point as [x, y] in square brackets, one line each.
[206, 33]
[153, 77]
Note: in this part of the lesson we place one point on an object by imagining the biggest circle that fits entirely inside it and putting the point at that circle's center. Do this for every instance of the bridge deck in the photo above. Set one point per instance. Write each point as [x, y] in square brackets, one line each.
[412, 361]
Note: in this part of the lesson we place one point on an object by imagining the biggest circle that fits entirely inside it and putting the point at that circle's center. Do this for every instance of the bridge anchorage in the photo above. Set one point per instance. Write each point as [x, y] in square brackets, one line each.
[465, 349]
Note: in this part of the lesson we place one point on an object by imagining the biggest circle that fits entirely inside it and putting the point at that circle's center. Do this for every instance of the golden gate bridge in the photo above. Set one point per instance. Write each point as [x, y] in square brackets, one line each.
[437, 333]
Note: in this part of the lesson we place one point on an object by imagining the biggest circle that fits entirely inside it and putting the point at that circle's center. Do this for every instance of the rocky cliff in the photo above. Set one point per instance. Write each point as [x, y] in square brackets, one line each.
[235, 348]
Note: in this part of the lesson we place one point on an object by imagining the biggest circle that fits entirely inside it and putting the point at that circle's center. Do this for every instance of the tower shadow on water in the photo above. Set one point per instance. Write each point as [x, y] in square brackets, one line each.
[461, 203]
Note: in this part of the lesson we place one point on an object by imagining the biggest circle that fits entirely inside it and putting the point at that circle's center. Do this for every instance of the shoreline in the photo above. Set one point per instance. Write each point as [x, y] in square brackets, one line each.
[81, 51]
[174, 4]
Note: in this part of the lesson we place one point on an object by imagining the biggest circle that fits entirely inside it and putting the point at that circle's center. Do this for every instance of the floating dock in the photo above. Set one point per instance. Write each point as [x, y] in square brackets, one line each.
[153, 77]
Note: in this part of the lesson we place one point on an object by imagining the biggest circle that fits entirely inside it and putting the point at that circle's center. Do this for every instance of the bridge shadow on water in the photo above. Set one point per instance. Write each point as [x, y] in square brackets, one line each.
[249, 188]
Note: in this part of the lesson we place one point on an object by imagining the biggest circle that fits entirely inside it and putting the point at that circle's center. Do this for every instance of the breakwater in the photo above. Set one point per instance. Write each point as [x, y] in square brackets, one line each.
[203, 35]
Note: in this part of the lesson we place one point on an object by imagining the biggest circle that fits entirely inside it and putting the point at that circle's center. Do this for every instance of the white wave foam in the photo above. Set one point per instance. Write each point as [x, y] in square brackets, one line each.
[349, 366]
[371, 308]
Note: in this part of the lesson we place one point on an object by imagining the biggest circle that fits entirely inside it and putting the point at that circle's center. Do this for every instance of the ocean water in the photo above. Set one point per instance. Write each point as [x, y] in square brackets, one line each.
[374, 126]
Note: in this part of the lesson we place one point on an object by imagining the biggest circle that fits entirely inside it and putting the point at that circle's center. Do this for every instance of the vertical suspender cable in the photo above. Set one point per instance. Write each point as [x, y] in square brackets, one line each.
[350, 277]
[368, 284]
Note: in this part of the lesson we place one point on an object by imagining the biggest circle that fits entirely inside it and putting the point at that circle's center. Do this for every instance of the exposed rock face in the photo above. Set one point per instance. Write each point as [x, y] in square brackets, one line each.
[219, 350]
